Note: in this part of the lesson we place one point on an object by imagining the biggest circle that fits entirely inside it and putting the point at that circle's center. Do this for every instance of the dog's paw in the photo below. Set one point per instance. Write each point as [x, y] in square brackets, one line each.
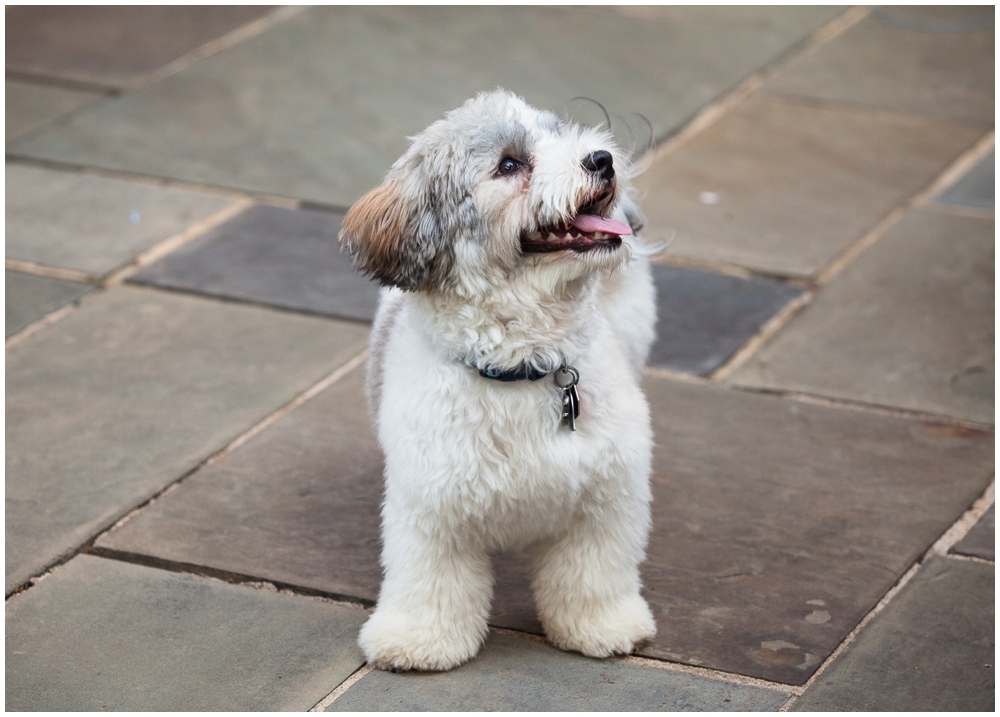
[398, 642]
[603, 629]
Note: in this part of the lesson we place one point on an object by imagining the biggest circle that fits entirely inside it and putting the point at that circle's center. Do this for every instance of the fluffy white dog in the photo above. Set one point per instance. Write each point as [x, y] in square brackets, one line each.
[503, 234]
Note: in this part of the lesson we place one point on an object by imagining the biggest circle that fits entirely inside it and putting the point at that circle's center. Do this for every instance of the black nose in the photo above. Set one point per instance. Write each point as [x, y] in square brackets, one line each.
[601, 164]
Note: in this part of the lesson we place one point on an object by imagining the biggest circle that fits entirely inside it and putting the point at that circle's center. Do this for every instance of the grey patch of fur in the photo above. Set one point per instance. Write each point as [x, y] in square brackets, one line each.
[496, 139]
[635, 218]
[391, 305]
[551, 121]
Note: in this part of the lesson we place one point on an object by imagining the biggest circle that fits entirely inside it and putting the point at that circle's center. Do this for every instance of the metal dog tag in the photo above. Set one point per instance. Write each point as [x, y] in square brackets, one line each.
[566, 379]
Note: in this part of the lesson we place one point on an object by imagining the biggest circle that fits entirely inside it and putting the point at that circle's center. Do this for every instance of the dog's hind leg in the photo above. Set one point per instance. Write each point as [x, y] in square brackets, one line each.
[434, 603]
[587, 584]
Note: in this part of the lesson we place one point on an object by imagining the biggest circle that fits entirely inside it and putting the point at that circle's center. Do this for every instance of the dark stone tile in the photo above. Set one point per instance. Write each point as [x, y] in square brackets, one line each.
[981, 540]
[888, 61]
[114, 44]
[103, 635]
[977, 188]
[515, 674]
[704, 317]
[779, 524]
[29, 106]
[933, 648]
[783, 186]
[909, 323]
[30, 297]
[137, 387]
[320, 105]
[513, 602]
[93, 224]
[298, 504]
[285, 257]
[936, 18]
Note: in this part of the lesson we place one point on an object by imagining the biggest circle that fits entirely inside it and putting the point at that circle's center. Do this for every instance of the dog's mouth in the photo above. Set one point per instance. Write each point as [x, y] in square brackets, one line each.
[584, 232]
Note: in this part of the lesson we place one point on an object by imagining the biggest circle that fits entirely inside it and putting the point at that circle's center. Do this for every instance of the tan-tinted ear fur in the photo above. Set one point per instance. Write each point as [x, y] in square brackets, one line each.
[383, 233]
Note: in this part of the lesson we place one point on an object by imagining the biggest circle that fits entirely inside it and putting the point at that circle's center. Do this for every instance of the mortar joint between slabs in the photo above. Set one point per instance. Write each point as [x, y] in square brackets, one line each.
[343, 687]
[954, 533]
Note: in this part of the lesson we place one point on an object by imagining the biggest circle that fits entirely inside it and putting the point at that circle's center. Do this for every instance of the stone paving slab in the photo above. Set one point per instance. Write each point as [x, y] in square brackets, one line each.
[30, 297]
[703, 316]
[29, 106]
[760, 516]
[112, 45]
[778, 525]
[299, 503]
[933, 648]
[977, 188]
[93, 224]
[514, 674]
[936, 18]
[981, 540]
[908, 324]
[103, 635]
[121, 397]
[882, 64]
[319, 106]
[783, 186]
[271, 255]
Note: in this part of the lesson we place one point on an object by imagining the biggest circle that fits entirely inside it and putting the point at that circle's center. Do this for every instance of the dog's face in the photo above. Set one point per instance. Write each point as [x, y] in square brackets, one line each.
[495, 192]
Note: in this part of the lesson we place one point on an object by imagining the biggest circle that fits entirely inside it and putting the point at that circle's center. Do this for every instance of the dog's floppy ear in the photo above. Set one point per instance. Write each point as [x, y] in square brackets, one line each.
[392, 239]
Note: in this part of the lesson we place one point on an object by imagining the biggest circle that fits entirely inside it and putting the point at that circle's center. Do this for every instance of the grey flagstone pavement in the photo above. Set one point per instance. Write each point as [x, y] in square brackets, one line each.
[122, 397]
[319, 106]
[105, 635]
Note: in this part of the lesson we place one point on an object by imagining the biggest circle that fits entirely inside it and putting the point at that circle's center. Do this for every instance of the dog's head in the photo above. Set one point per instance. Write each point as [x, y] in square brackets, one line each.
[495, 190]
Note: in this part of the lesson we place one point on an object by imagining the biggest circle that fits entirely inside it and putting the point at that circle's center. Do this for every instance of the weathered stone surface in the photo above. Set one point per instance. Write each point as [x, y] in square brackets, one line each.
[908, 324]
[977, 188]
[763, 507]
[297, 504]
[517, 674]
[93, 224]
[319, 106]
[981, 540]
[933, 648]
[889, 62]
[137, 387]
[28, 106]
[783, 186]
[115, 44]
[102, 635]
[777, 525]
[30, 297]
[703, 317]
[270, 255]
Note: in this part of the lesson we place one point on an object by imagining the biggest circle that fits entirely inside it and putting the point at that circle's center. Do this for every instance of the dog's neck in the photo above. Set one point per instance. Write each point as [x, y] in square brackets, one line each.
[523, 323]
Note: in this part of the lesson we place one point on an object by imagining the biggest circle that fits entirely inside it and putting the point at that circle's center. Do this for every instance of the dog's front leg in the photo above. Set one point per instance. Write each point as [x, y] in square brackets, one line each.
[587, 584]
[434, 602]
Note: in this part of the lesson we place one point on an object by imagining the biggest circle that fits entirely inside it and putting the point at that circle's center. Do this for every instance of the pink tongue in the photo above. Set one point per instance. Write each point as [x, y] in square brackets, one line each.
[590, 223]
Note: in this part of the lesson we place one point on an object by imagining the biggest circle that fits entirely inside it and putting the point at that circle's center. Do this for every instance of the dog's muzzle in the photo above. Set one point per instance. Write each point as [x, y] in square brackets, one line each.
[583, 233]
[588, 229]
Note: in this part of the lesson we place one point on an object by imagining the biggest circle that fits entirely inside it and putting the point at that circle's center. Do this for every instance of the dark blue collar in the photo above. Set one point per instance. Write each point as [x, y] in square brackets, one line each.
[520, 373]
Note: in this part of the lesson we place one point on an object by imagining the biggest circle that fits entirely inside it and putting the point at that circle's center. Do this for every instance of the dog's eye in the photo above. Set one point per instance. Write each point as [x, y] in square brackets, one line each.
[508, 165]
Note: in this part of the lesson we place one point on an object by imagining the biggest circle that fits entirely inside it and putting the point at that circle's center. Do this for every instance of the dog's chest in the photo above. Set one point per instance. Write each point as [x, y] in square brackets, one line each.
[497, 452]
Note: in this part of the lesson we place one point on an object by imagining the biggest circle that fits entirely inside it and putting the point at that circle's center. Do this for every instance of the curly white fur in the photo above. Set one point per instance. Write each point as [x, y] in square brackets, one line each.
[475, 466]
